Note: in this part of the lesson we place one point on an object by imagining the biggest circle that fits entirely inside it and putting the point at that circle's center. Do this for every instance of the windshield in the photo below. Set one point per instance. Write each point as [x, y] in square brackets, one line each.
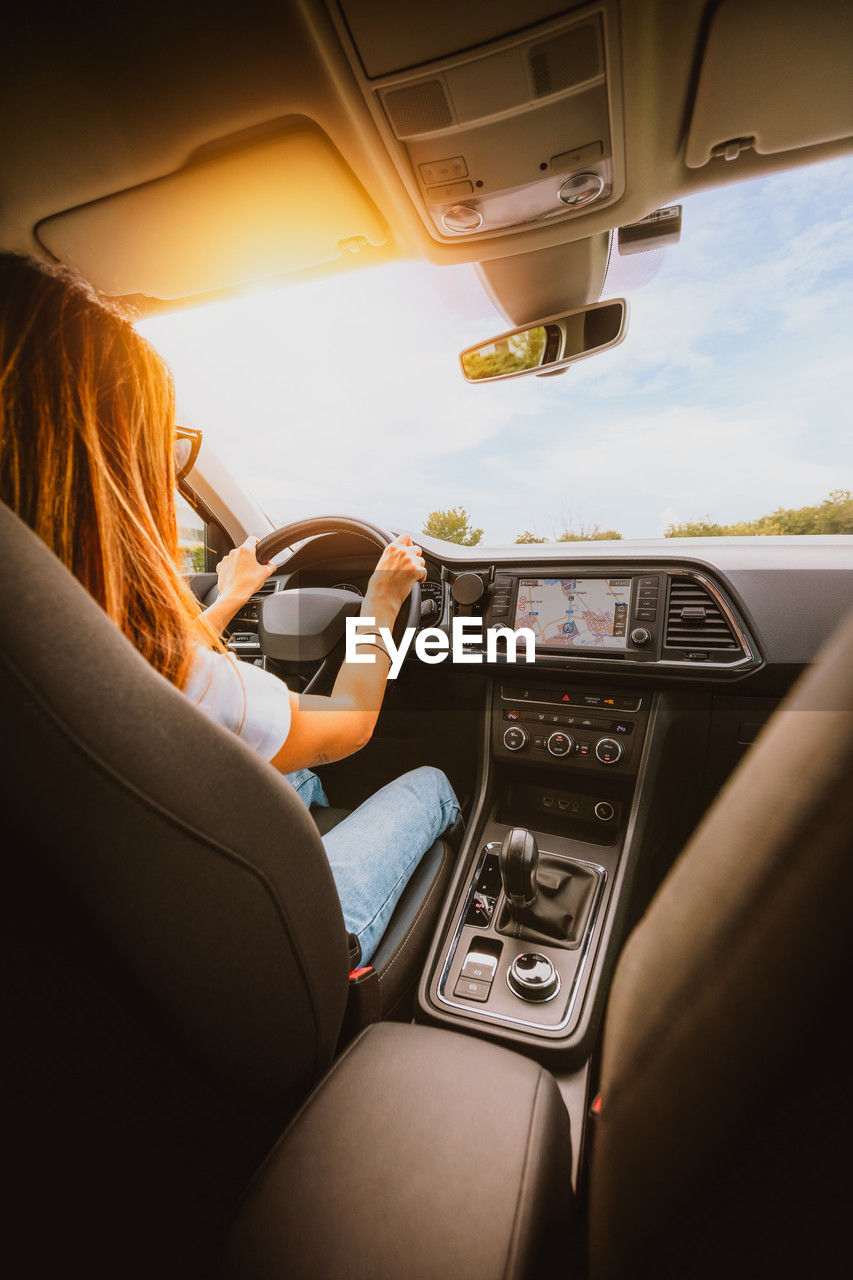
[728, 401]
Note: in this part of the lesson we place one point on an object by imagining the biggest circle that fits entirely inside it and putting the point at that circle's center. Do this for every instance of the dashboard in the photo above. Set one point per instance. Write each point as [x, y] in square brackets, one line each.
[713, 609]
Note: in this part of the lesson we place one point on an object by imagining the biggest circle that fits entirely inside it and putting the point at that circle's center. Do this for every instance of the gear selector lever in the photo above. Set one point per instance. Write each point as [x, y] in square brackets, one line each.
[519, 858]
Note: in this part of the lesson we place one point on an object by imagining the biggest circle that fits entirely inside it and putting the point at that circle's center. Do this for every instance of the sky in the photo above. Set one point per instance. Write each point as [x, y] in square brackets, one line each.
[730, 396]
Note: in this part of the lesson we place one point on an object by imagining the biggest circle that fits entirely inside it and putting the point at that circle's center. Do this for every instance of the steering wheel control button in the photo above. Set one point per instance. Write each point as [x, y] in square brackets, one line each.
[479, 966]
[581, 189]
[515, 738]
[470, 989]
[609, 750]
[560, 744]
[604, 811]
[640, 635]
[533, 977]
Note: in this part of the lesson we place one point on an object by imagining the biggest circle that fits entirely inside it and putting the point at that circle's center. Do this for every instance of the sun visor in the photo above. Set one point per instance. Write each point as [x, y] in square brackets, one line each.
[776, 75]
[280, 205]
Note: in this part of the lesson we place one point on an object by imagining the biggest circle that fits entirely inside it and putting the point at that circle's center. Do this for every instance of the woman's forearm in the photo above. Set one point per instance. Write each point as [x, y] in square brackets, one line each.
[324, 729]
[361, 685]
[219, 614]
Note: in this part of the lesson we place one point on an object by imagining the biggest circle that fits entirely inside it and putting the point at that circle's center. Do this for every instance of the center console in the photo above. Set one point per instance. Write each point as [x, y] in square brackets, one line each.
[584, 754]
[518, 949]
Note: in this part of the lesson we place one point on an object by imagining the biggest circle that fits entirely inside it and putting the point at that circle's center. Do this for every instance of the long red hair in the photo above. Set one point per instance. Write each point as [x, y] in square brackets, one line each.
[87, 424]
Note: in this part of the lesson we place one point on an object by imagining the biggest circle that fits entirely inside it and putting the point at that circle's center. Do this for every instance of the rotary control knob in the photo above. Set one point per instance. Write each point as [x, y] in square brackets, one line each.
[533, 977]
[515, 738]
[640, 636]
[560, 744]
[609, 750]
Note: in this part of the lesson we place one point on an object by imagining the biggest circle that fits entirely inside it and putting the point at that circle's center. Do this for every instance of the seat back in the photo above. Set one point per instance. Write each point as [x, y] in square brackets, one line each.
[725, 1106]
[177, 940]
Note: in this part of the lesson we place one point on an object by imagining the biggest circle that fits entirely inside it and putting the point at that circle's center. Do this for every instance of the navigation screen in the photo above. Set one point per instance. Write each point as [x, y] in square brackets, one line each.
[575, 613]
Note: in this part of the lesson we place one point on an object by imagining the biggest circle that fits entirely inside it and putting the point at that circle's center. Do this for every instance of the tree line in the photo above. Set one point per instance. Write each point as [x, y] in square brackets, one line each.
[833, 515]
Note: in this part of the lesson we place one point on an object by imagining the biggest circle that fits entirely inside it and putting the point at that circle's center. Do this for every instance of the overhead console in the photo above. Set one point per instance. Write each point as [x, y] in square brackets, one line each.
[491, 128]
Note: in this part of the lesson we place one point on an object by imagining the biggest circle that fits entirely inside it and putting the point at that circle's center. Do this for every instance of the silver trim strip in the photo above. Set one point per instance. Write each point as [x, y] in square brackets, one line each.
[489, 1017]
[740, 635]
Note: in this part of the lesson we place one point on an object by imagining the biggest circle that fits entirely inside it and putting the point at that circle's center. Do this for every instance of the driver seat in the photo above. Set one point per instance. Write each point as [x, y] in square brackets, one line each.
[383, 988]
[177, 929]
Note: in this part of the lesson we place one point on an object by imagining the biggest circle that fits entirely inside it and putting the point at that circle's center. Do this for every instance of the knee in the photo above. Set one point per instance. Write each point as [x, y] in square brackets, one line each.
[433, 782]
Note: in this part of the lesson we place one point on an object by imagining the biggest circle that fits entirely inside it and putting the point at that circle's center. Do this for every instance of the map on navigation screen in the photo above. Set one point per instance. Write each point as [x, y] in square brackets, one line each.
[576, 613]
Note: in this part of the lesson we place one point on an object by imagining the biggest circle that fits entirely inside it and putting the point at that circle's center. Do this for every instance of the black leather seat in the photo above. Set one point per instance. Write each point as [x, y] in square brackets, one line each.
[179, 951]
[397, 960]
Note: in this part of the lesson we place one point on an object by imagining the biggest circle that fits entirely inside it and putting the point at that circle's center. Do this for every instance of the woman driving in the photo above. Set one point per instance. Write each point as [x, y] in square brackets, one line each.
[87, 429]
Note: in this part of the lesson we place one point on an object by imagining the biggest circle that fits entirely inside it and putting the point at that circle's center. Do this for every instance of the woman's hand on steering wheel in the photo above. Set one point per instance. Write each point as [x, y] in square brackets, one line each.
[240, 575]
[400, 566]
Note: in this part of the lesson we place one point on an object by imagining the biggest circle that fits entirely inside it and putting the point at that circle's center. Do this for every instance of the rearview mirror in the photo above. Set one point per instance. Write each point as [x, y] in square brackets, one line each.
[548, 345]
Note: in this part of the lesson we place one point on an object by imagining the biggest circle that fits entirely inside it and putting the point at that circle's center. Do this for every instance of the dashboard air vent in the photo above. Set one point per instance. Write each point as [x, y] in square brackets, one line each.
[267, 588]
[694, 620]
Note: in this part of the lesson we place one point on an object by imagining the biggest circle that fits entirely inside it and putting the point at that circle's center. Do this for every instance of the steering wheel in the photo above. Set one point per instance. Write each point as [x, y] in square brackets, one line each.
[308, 623]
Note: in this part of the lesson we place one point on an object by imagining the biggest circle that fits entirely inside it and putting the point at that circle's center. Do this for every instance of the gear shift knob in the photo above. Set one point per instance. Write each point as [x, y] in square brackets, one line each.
[519, 858]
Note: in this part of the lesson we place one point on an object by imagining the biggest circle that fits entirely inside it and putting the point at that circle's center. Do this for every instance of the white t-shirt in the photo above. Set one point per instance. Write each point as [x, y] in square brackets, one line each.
[249, 701]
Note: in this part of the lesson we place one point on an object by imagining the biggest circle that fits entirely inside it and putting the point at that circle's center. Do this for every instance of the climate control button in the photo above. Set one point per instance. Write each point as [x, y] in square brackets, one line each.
[609, 750]
[515, 738]
[560, 744]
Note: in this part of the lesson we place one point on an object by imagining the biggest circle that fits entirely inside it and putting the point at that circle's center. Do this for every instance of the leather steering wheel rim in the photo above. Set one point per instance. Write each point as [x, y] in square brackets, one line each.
[275, 542]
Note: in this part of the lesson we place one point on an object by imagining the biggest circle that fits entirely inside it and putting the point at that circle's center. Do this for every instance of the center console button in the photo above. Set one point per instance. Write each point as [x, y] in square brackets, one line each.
[481, 910]
[533, 977]
[479, 966]
[560, 744]
[470, 989]
[609, 751]
[515, 739]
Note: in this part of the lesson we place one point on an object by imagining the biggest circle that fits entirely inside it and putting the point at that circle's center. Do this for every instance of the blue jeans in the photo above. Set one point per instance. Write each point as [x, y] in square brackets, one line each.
[374, 851]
